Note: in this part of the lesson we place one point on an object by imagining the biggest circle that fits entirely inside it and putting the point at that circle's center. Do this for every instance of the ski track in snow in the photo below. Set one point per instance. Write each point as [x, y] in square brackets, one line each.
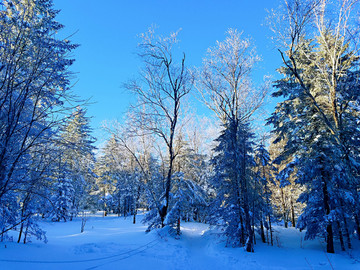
[115, 243]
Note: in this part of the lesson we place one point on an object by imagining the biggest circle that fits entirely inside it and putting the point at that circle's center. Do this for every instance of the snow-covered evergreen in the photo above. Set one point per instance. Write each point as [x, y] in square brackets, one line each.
[34, 82]
[78, 159]
[233, 182]
[64, 194]
[318, 138]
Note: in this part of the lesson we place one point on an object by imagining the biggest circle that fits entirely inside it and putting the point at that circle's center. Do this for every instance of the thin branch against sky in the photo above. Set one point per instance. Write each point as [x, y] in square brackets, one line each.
[108, 34]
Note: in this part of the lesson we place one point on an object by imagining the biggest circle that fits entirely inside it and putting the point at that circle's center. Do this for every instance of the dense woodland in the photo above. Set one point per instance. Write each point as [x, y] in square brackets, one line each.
[305, 173]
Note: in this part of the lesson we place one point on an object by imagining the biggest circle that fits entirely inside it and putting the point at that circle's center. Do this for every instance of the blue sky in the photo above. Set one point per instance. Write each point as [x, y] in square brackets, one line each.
[107, 33]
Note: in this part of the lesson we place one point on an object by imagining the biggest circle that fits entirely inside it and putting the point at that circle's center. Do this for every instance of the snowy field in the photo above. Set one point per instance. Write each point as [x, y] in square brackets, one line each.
[115, 243]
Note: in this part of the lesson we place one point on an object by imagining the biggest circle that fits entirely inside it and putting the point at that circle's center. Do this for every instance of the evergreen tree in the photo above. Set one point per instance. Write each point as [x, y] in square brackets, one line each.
[286, 191]
[262, 207]
[194, 167]
[120, 180]
[319, 116]
[234, 183]
[319, 139]
[64, 194]
[34, 83]
[187, 195]
[78, 159]
[109, 167]
[226, 87]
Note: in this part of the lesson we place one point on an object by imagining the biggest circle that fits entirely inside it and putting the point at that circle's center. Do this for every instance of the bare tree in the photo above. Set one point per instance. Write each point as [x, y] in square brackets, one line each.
[333, 26]
[162, 86]
[224, 82]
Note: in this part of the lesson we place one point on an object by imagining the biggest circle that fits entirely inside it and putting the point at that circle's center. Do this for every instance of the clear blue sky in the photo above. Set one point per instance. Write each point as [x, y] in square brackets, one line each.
[107, 33]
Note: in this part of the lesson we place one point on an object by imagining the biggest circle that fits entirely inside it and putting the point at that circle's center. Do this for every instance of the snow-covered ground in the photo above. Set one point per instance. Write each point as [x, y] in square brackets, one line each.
[115, 243]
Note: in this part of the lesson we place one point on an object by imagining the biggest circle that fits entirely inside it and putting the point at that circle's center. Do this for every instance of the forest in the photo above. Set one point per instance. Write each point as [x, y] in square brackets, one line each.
[301, 169]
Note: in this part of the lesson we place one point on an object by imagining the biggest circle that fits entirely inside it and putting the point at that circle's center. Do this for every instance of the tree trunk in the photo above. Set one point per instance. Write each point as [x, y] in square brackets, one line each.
[357, 226]
[329, 239]
[242, 235]
[105, 206]
[341, 237]
[347, 234]
[124, 207]
[178, 227]
[262, 233]
[22, 216]
[292, 213]
[249, 242]
[164, 209]
[271, 232]
[284, 207]
[26, 232]
[329, 229]
[253, 225]
[136, 203]
[20, 232]
[134, 218]
[119, 207]
[162, 214]
[250, 233]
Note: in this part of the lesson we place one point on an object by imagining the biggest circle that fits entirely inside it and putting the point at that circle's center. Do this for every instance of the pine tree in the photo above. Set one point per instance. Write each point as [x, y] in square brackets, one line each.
[318, 140]
[64, 194]
[225, 84]
[319, 116]
[109, 167]
[187, 195]
[234, 183]
[120, 180]
[78, 158]
[194, 167]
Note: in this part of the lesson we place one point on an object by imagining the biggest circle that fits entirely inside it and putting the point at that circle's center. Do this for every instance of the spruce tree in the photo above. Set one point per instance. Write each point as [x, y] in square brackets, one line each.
[78, 158]
[234, 183]
[318, 134]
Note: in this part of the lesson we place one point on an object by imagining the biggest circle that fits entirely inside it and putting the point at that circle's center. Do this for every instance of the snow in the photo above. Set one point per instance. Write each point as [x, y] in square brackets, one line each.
[115, 243]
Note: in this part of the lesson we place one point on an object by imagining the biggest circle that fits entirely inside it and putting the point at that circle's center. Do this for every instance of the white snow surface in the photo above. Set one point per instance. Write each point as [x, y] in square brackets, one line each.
[115, 243]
